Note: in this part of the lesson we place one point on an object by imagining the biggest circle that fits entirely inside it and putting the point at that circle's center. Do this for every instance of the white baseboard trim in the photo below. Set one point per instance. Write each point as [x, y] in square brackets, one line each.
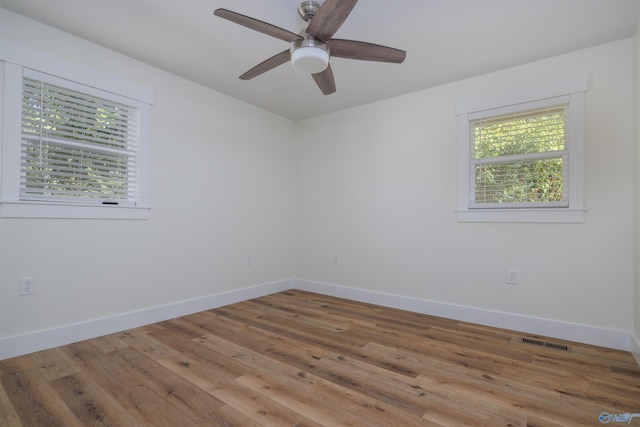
[40, 340]
[635, 347]
[587, 334]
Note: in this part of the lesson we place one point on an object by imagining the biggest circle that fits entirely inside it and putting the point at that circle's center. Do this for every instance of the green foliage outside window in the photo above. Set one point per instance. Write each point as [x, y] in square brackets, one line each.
[519, 159]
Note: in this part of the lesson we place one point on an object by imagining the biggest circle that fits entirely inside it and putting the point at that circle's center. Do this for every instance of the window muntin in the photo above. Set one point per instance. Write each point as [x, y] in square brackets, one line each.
[519, 159]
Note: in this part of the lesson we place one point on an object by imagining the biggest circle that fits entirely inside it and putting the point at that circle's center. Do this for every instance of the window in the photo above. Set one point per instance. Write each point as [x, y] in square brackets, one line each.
[519, 159]
[71, 149]
[521, 155]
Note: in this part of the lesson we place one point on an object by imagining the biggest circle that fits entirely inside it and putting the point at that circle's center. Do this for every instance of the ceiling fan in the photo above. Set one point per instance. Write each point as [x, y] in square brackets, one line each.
[311, 49]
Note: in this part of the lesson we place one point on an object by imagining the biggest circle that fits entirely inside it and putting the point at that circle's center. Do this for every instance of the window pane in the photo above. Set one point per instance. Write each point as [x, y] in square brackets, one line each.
[54, 112]
[534, 181]
[58, 171]
[523, 133]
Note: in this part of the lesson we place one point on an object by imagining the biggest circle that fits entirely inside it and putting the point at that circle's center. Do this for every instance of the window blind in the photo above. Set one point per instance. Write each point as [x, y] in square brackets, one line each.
[77, 147]
[519, 159]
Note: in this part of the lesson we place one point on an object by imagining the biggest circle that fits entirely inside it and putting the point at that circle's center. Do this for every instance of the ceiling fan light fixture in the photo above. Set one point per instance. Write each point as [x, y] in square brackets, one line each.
[310, 60]
[310, 55]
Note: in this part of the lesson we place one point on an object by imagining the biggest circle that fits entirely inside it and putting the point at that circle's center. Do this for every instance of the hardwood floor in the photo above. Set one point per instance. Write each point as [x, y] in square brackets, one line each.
[301, 359]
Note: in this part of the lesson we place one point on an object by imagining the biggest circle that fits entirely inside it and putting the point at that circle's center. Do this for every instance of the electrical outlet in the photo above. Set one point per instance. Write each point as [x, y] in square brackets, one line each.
[27, 286]
[511, 277]
[249, 262]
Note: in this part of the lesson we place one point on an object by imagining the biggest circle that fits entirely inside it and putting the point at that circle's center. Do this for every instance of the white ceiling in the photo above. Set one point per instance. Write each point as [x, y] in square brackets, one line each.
[445, 40]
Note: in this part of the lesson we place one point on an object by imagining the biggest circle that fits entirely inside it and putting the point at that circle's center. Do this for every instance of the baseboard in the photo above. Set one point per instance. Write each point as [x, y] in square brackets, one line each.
[587, 334]
[40, 340]
[635, 347]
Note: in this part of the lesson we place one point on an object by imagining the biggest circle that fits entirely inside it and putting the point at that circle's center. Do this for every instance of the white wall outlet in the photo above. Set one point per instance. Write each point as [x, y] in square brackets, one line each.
[249, 262]
[27, 286]
[511, 277]
[336, 258]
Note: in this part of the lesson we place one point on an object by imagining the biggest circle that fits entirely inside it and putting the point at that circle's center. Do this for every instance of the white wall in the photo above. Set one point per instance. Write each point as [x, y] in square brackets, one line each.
[377, 185]
[222, 187]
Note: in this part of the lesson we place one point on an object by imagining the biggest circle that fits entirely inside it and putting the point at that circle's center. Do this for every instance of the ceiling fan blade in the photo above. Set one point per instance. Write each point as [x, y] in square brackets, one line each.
[364, 51]
[325, 81]
[260, 26]
[329, 18]
[266, 65]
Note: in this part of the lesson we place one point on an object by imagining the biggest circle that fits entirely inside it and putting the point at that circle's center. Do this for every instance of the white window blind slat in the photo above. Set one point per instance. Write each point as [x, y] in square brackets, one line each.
[512, 158]
[130, 151]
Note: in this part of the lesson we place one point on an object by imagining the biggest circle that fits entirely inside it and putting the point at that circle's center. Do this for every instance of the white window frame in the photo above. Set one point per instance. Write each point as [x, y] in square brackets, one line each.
[18, 60]
[571, 91]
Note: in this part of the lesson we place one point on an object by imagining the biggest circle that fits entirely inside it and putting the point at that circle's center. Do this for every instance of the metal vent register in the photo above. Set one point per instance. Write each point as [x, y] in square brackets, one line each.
[544, 344]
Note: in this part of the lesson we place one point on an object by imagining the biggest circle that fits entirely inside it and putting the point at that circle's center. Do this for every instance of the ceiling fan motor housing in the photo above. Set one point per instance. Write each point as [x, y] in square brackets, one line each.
[308, 10]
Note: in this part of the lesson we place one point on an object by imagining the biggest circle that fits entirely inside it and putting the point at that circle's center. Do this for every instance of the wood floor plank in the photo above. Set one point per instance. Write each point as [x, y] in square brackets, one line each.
[91, 404]
[191, 326]
[502, 392]
[301, 317]
[142, 342]
[450, 407]
[287, 385]
[174, 389]
[257, 408]
[221, 366]
[306, 334]
[299, 397]
[455, 354]
[490, 344]
[54, 364]
[109, 343]
[8, 413]
[319, 362]
[297, 358]
[311, 308]
[15, 364]
[127, 390]
[35, 401]
[370, 380]
[253, 359]
[600, 390]
[282, 348]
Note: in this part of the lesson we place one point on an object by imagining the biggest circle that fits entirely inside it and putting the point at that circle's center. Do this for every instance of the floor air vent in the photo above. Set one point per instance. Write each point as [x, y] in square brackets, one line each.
[544, 344]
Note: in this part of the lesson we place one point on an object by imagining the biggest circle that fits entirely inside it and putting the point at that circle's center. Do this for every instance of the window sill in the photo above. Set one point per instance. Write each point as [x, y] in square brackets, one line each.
[558, 215]
[70, 211]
